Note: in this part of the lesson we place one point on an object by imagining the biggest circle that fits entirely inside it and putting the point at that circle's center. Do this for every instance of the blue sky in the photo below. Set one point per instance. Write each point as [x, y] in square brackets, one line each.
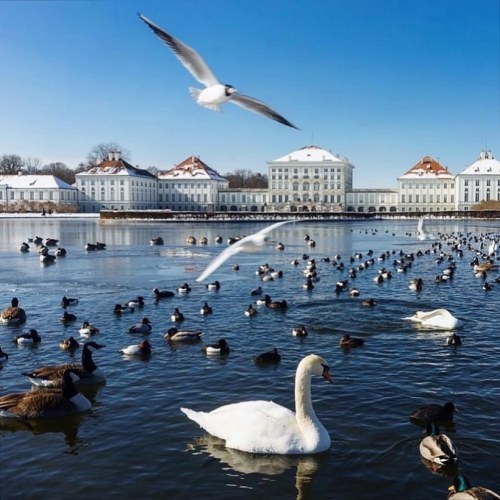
[382, 83]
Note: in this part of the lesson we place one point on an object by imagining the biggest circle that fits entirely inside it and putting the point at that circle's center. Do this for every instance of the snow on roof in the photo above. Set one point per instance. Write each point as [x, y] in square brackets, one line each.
[486, 164]
[427, 168]
[190, 169]
[33, 181]
[117, 167]
[310, 154]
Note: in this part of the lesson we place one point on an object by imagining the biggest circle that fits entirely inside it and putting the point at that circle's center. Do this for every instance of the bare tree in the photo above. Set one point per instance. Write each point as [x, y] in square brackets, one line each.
[100, 152]
[11, 164]
[153, 170]
[61, 171]
[32, 165]
[246, 179]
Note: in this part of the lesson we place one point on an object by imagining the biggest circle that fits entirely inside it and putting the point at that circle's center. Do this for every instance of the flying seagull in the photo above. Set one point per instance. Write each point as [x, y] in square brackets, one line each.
[215, 92]
[246, 244]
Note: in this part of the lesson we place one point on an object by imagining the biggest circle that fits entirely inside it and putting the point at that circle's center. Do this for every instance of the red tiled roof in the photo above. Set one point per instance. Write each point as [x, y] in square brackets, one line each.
[427, 165]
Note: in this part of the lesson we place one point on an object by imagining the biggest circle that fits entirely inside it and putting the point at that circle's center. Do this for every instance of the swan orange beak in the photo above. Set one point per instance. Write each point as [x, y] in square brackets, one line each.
[326, 374]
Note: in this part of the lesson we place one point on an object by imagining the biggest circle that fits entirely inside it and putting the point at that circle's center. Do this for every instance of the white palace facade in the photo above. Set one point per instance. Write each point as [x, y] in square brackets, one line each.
[310, 179]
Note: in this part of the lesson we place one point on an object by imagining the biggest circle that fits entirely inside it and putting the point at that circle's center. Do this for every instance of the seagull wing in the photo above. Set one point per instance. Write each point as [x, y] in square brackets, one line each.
[259, 107]
[221, 258]
[270, 228]
[190, 59]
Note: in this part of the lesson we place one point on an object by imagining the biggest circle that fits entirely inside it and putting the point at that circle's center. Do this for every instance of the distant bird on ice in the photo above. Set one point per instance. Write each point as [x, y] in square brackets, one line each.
[246, 244]
[215, 92]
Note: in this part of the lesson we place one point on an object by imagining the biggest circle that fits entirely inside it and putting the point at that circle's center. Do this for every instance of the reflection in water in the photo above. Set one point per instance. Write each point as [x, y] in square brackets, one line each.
[269, 465]
[67, 425]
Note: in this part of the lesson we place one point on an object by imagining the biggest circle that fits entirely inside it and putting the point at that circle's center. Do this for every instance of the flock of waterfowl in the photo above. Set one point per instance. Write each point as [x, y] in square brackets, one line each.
[262, 426]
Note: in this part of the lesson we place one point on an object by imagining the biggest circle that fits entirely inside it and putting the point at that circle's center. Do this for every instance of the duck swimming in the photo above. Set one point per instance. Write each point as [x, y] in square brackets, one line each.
[265, 427]
[46, 404]
[437, 448]
[68, 318]
[138, 302]
[299, 331]
[162, 294]
[13, 315]
[461, 489]
[348, 341]
[84, 373]
[174, 335]
[177, 316]
[68, 301]
[454, 340]
[69, 344]
[250, 311]
[433, 413]
[219, 349]
[143, 327]
[205, 309]
[87, 330]
[213, 286]
[142, 349]
[119, 309]
[30, 338]
[271, 357]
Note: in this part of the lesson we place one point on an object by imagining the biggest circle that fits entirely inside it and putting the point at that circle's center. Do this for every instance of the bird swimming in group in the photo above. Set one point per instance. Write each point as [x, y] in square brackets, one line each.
[138, 302]
[248, 243]
[85, 372]
[142, 349]
[266, 427]
[30, 338]
[68, 301]
[250, 311]
[433, 413]
[348, 341]
[461, 489]
[437, 448]
[46, 404]
[220, 348]
[13, 315]
[174, 335]
[205, 309]
[67, 318]
[270, 357]
[144, 326]
[215, 92]
[87, 330]
[69, 344]
[162, 294]
[177, 316]
[437, 318]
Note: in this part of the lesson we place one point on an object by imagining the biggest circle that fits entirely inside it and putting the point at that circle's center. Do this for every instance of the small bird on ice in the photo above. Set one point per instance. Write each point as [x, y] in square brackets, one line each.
[215, 92]
[246, 244]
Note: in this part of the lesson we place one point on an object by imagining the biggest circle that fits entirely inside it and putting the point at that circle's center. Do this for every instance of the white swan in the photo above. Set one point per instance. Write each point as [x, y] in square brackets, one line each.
[438, 318]
[265, 427]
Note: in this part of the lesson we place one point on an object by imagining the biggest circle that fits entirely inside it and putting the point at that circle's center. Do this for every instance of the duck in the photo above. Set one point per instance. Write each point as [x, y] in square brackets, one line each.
[87, 330]
[265, 427]
[174, 335]
[218, 239]
[348, 341]
[263, 300]
[220, 348]
[142, 349]
[122, 308]
[144, 327]
[277, 304]
[300, 331]
[250, 311]
[368, 303]
[47, 259]
[61, 252]
[67, 318]
[205, 309]
[100, 245]
[3, 357]
[270, 357]
[256, 291]
[433, 413]
[30, 338]
[69, 301]
[354, 292]
[137, 302]
[454, 340]
[156, 241]
[213, 286]
[461, 489]
[279, 246]
[162, 294]
[50, 242]
[177, 316]
[46, 404]
[90, 247]
[24, 248]
[85, 373]
[184, 288]
[437, 448]
[204, 240]
[438, 318]
[13, 315]
[69, 344]
[416, 284]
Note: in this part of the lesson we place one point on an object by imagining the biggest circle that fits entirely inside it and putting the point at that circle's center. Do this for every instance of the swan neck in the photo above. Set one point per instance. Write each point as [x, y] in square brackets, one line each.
[303, 405]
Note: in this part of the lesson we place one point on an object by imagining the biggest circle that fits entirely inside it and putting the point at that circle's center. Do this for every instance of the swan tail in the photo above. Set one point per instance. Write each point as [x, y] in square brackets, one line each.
[195, 416]
[195, 94]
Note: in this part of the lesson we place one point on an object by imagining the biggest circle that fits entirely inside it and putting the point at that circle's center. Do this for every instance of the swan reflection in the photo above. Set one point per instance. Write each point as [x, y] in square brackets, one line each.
[269, 465]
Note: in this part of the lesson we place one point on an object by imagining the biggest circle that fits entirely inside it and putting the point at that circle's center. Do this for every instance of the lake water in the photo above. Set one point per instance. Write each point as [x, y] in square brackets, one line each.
[136, 443]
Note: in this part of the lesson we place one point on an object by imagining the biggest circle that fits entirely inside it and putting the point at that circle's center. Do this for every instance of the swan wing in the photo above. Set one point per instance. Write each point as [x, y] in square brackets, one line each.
[273, 427]
[189, 58]
[221, 258]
